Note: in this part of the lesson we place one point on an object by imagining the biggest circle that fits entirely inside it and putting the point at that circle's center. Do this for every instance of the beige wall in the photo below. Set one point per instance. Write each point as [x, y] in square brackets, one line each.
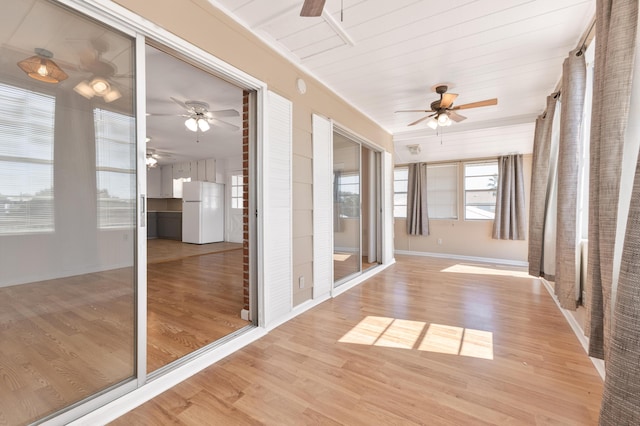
[466, 238]
[201, 24]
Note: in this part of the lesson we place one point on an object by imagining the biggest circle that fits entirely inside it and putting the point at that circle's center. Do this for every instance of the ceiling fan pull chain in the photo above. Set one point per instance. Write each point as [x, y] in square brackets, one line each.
[341, 10]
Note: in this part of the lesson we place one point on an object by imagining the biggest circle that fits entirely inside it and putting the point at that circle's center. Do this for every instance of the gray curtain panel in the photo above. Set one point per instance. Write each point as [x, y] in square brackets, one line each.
[574, 75]
[540, 185]
[417, 215]
[622, 384]
[509, 222]
[616, 23]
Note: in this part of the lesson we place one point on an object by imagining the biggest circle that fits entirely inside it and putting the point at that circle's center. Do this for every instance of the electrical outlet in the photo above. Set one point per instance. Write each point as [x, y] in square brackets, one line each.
[301, 281]
[439, 241]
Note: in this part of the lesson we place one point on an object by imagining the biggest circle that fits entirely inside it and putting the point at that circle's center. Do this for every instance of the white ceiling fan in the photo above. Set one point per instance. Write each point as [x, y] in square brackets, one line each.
[200, 118]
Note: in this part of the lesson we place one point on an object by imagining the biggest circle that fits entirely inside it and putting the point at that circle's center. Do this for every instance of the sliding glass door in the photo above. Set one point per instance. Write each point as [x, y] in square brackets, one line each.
[67, 210]
[356, 201]
[346, 207]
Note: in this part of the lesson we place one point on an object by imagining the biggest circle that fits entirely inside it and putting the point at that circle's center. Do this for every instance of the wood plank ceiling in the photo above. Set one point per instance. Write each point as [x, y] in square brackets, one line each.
[508, 49]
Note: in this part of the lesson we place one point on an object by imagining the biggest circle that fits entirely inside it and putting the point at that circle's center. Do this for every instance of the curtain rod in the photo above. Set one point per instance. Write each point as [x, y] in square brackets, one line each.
[583, 44]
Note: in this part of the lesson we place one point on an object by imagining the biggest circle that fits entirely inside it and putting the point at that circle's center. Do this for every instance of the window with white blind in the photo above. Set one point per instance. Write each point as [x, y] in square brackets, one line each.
[26, 161]
[442, 191]
[480, 188]
[115, 169]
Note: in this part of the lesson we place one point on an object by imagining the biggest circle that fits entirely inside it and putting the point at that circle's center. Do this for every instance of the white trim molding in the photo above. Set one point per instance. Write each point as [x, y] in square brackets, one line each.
[468, 258]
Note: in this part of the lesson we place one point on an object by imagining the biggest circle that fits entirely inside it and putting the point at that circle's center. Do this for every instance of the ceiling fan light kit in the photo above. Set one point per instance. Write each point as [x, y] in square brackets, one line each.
[42, 68]
[443, 111]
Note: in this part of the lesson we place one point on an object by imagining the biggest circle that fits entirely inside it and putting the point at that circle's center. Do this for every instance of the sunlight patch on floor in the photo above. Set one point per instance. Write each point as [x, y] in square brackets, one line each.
[461, 268]
[341, 257]
[405, 334]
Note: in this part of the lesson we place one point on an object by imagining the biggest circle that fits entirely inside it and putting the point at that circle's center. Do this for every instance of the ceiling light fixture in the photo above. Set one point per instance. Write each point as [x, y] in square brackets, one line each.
[443, 119]
[195, 123]
[40, 67]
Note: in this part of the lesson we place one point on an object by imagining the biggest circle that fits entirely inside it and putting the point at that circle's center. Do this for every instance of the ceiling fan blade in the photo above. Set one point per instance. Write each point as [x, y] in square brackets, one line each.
[151, 114]
[182, 104]
[223, 124]
[416, 110]
[456, 117]
[418, 121]
[312, 8]
[487, 102]
[223, 113]
[447, 99]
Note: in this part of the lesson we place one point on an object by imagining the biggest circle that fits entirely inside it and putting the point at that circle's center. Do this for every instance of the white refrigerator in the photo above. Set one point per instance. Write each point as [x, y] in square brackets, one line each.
[202, 212]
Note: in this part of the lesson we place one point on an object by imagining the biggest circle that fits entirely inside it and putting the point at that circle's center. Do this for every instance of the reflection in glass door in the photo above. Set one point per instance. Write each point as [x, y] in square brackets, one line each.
[346, 207]
[67, 210]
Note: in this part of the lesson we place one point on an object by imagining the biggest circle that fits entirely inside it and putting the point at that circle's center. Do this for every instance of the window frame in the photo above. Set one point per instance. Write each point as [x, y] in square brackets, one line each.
[396, 192]
[237, 182]
[465, 191]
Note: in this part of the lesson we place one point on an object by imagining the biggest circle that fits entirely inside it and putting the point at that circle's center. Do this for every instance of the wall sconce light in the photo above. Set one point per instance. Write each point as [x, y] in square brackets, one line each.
[40, 67]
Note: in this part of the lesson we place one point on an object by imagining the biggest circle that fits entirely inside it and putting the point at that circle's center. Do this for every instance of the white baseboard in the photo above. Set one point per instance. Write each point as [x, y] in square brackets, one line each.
[577, 329]
[467, 258]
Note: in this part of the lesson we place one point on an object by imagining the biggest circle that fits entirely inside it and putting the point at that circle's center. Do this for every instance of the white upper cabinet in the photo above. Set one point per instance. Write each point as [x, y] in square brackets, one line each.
[154, 182]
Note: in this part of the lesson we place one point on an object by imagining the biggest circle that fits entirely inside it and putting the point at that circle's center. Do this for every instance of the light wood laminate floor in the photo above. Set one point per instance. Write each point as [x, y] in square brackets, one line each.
[192, 302]
[427, 341]
[65, 339]
[161, 250]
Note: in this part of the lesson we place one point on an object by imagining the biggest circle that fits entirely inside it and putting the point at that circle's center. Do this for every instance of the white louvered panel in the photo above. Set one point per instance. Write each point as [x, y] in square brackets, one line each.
[387, 185]
[277, 191]
[322, 206]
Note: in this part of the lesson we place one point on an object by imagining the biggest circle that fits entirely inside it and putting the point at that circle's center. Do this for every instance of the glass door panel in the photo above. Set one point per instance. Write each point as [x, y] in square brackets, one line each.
[67, 210]
[346, 207]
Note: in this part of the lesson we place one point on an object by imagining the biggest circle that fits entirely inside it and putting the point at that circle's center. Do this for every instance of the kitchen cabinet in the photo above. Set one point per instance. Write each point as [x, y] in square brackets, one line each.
[154, 182]
[182, 170]
[202, 170]
[166, 175]
[193, 167]
[170, 225]
[210, 173]
[152, 225]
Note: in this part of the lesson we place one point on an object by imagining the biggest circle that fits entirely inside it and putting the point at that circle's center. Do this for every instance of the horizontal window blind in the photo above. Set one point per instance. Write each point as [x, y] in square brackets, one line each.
[442, 191]
[26, 161]
[115, 169]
